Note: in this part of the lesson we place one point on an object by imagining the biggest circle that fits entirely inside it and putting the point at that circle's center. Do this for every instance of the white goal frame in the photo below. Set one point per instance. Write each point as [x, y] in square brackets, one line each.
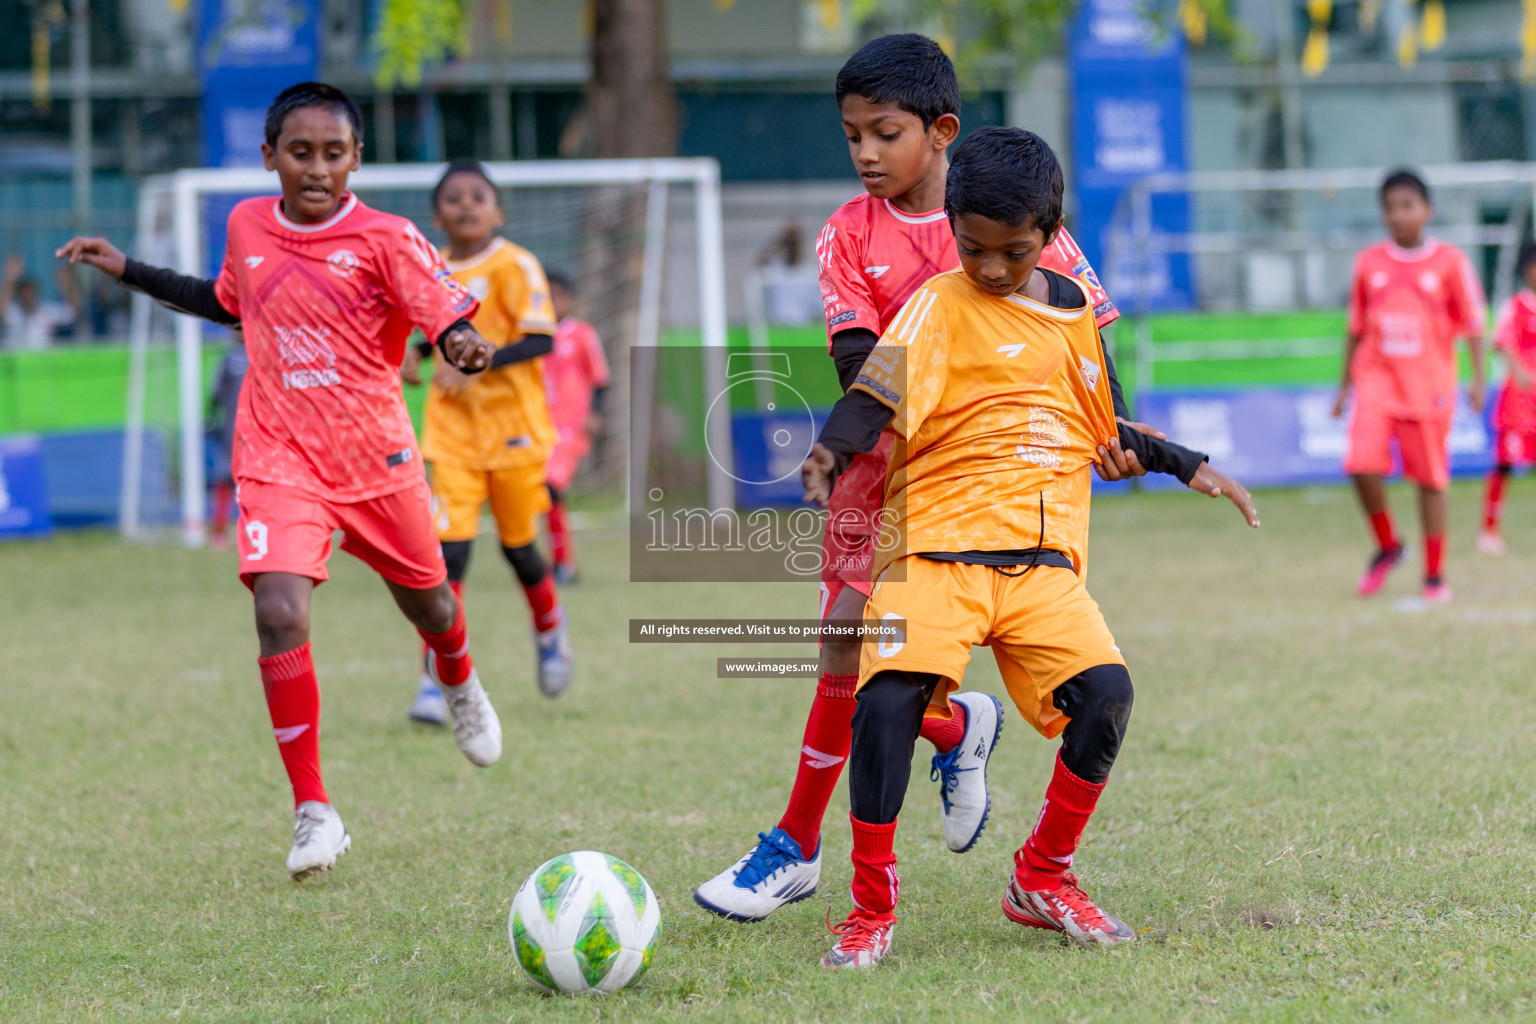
[185, 188]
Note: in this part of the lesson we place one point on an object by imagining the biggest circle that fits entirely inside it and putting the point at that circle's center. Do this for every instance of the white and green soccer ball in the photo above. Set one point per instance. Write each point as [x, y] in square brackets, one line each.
[583, 923]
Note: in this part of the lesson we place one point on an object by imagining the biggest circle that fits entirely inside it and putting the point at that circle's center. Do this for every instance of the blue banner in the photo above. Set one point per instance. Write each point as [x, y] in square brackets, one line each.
[1129, 121]
[23, 489]
[248, 51]
[1268, 438]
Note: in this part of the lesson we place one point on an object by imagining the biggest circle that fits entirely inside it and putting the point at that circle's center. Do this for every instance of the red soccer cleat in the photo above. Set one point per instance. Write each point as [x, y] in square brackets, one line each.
[1438, 592]
[1375, 575]
[1067, 910]
[863, 939]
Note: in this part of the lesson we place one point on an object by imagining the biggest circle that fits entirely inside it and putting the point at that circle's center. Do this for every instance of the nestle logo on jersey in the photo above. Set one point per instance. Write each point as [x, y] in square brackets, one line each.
[298, 380]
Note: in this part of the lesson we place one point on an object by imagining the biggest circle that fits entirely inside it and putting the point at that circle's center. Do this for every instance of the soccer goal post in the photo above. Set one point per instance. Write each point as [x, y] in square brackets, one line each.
[640, 239]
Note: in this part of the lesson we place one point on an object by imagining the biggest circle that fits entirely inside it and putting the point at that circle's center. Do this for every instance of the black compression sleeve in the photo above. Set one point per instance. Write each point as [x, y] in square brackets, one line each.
[885, 730]
[424, 347]
[849, 350]
[853, 426]
[598, 395]
[1162, 456]
[531, 347]
[192, 295]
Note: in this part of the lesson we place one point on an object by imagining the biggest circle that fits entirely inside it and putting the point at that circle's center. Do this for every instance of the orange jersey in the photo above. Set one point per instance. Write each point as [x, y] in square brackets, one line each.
[1001, 403]
[1408, 307]
[500, 420]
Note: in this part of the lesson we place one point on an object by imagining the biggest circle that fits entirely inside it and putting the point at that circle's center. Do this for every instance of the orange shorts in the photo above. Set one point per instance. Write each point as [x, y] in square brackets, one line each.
[1043, 628]
[1421, 442]
[284, 529]
[518, 496]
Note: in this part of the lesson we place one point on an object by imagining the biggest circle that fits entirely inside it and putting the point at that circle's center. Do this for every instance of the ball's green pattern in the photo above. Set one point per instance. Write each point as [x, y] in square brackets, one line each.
[596, 943]
[553, 880]
[632, 882]
[530, 956]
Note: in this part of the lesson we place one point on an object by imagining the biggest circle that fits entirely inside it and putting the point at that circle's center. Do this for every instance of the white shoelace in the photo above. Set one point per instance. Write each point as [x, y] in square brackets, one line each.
[305, 821]
[468, 710]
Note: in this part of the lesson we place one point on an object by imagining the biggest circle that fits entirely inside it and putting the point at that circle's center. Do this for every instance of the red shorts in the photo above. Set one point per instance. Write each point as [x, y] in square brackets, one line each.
[1421, 442]
[284, 529]
[566, 458]
[847, 560]
[1515, 447]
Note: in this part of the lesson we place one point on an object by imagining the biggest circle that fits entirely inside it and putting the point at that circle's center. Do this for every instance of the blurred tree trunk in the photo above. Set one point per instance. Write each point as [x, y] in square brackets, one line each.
[631, 108]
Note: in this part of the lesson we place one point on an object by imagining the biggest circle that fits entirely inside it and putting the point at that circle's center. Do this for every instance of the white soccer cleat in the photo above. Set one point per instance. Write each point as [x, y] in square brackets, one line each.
[429, 706]
[962, 772]
[863, 939]
[319, 838]
[1491, 543]
[555, 662]
[773, 873]
[476, 729]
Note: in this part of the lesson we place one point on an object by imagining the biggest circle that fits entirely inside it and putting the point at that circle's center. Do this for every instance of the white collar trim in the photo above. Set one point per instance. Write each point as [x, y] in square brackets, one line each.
[347, 206]
[1065, 315]
[1425, 250]
[460, 266]
[907, 218]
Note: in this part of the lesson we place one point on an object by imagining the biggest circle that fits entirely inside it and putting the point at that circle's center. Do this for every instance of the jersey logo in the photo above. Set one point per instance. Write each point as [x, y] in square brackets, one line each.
[297, 346]
[875, 271]
[818, 759]
[1012, 350]
[1090, 372]
[289, 733]
[1429, 281]
[479, 287]
[254, 261]
[342, 262]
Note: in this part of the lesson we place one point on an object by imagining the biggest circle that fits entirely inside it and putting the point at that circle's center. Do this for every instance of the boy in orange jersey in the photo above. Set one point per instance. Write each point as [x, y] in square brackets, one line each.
[993, 379]
[488, 438]
[1411, 299]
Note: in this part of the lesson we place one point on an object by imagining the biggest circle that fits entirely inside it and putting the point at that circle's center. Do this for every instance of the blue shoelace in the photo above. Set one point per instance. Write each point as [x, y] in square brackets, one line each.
[774, 850]
[946, 771]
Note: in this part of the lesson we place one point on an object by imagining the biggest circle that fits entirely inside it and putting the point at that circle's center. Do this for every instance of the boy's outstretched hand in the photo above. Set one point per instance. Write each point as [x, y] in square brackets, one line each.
[467, 350]
[1212, 481]
[816, 473]
[98, 252]
[410, 368]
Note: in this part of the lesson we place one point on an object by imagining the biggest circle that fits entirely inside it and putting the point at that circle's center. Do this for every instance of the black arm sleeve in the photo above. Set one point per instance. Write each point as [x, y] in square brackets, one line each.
[849, 350]
[853, 427]
[424, 348]
[191, 295]
[1162, 456]
[530, 347]
[598, 395]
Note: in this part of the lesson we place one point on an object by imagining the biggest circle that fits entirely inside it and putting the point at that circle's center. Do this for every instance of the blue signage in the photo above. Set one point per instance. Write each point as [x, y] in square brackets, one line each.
[23, 489]
[248, 51]
[1129, 121]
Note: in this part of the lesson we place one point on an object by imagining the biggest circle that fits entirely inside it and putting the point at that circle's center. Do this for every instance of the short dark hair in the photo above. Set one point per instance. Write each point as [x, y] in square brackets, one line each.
[1404, 178]
[464, 165]
[312, 94]
[1008, 175]
[558, 280]
[909, 70]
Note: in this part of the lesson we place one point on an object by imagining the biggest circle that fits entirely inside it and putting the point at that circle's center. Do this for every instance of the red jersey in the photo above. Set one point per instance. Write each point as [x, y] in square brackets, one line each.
[1408, 307]
[1515, 335]
[326, 310]
[873, 258]
[571, 372]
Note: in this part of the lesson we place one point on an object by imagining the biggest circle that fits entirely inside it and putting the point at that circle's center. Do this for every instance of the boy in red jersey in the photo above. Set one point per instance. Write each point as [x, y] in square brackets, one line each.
[1411, 299]
[575, 379]
[1514, 415]
[326, 292]
[900, 104]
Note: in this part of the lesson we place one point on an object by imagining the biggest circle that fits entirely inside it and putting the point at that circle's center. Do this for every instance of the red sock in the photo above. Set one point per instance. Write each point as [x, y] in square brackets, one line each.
[457, 586]
[545, 602]
[945, 733]
[453, 661]
[1493, 501]
[559, 534]
[875, 885]
[1434, 555]
[824, 751]
[1047, 854]
[293, 701]
[1386, 536]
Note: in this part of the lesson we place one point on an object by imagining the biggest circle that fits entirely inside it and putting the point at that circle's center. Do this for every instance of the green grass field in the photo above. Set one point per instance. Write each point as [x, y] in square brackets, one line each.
[1324, 809]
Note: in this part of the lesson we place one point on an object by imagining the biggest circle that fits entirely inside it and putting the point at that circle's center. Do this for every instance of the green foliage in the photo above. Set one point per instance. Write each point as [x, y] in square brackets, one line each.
[414, 33]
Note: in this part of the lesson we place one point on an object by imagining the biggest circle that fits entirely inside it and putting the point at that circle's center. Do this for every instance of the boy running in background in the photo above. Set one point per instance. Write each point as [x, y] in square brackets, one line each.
[488, 437]
[326, 291]
[1514, 415]
[900, 104]
[993, 378]
[575, 381]
[1411, 299]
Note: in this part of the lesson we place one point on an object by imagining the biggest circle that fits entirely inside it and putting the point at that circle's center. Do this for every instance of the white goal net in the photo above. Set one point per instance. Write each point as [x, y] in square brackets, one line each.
[639, 239]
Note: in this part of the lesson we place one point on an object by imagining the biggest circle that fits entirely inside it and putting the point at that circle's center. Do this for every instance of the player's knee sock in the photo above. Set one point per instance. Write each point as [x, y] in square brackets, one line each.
[875, 882]
[1386, 534]
[457, 586]
[538, 585]
[945, 733]
[293, 701]
[559, 533]
[1434, 556]
[824, 749]
[452, 649]
[1493, 498]
[1047, 854]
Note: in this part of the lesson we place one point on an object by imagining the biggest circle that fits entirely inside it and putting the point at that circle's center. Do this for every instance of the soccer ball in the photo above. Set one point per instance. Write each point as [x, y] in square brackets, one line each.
[584, 922]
